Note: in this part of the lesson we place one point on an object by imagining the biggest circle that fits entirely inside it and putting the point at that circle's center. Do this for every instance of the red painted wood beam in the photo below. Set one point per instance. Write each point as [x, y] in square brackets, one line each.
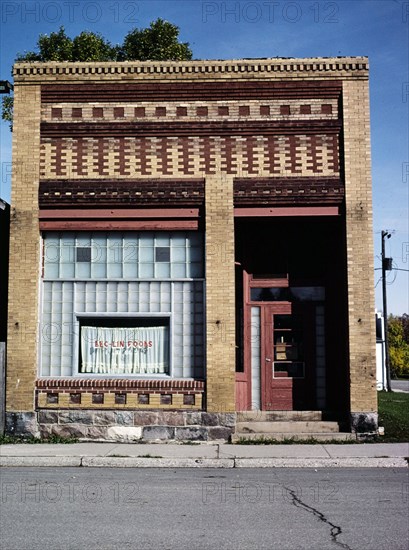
[119, 225]
[286, 211]
[118, 213]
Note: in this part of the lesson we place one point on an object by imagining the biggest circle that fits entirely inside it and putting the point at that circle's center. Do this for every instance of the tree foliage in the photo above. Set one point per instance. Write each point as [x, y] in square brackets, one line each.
[7, 110]
[56, 47]
[158, 42]
[405, 325]
[87, 46]
[398, 346]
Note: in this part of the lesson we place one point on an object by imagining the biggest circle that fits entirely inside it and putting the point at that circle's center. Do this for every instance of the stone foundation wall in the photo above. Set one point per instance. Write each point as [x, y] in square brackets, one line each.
[138, 426]
[364, 422]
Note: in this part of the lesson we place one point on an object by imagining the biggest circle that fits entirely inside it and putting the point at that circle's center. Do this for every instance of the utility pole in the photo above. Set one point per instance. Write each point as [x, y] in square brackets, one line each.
[386, 266]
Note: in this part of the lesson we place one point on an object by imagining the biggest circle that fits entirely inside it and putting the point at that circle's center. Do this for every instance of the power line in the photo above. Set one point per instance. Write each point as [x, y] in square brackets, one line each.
[393, 269]
[379, 280]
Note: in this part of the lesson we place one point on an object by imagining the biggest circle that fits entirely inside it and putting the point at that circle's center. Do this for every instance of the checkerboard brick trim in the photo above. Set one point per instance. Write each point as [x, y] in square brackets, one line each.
[123, 399]
[119, 393]
[324, 108]
[351, 67]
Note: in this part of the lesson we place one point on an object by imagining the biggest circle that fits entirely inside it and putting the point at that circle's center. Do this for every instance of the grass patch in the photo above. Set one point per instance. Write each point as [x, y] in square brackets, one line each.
[149, 456]
[393, 411]
[30, 440]
[118, 456]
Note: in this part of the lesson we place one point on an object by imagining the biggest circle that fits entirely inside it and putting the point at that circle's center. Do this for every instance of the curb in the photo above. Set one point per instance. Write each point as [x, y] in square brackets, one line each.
[143, 462]
[140, 462]
[321, 463]
[44, 461]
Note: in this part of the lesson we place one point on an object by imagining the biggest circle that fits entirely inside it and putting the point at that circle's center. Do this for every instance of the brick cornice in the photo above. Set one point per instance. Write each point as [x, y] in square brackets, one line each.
[190, 91]
[288, 191]
[224, 127]
[338, 67]
[121, 193]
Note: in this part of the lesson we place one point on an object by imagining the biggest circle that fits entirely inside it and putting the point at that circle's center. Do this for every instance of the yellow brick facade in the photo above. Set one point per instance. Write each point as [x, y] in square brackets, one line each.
[296, 153]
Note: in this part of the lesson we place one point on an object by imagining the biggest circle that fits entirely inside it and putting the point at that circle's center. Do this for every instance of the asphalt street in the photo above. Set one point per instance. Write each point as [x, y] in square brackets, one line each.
[203, 509]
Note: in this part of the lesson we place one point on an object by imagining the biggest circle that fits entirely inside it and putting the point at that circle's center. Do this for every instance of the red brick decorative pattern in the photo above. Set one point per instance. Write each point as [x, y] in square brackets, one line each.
[56, 112]
[306, 154]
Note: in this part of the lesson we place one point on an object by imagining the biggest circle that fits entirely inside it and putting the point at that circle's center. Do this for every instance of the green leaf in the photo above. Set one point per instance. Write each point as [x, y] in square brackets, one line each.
[159, 42]
[7, 104]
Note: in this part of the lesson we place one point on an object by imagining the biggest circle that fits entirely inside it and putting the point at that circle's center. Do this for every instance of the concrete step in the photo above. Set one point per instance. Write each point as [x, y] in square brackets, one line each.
[268, 436]
[290, 427]
[272, 416]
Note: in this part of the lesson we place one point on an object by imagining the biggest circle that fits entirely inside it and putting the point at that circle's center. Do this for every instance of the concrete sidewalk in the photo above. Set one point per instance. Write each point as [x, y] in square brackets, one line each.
[205, 455]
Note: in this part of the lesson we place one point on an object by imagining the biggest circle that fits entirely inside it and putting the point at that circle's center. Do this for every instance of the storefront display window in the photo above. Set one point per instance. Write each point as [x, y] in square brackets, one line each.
[100, 289]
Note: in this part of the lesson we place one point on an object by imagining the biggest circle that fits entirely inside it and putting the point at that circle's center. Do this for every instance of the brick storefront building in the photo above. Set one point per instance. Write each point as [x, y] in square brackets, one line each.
[189, 241]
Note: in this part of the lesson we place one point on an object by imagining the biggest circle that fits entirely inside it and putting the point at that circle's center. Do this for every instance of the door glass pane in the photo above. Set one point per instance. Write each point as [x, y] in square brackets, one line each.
[287, 294]
[288, 370]
[288, 346]
[269, 294]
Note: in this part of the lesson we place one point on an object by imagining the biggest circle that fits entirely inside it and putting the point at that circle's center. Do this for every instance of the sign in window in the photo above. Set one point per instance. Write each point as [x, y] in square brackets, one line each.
[125, 350]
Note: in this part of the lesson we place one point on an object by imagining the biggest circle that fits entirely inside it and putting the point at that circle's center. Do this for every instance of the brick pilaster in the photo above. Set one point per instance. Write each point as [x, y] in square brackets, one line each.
[220, 297]
[24, 252]
[358, 196]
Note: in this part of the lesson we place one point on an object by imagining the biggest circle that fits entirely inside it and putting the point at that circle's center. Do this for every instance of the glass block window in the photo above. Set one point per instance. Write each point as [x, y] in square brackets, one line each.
[122, 280]
[320, 355]
[123, 255]
[255, 358]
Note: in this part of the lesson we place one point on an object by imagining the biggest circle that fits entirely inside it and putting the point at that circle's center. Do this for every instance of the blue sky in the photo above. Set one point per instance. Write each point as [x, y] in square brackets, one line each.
[268, 28]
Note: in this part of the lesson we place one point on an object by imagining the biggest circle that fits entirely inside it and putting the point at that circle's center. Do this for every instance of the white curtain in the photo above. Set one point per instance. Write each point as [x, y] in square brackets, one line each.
[143, 350]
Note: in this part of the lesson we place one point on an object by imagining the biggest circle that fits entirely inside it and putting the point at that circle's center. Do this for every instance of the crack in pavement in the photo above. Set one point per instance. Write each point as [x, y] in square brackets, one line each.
[335, 529]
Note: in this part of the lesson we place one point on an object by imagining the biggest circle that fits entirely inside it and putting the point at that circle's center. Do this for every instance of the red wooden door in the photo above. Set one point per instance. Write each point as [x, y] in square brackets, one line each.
[288, 366]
